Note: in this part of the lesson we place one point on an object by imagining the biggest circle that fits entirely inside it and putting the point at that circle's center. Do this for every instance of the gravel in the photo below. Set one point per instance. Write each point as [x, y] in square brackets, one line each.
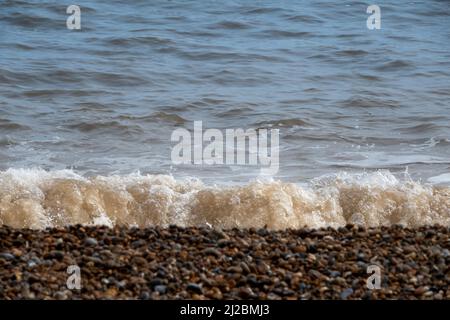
[201, 263]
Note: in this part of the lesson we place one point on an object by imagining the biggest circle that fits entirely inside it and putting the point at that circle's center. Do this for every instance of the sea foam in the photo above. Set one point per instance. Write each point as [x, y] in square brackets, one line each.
[35, 198]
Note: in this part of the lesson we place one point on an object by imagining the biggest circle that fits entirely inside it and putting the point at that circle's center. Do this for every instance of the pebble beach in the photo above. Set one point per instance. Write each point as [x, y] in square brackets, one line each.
[224, 150]
[204, 263]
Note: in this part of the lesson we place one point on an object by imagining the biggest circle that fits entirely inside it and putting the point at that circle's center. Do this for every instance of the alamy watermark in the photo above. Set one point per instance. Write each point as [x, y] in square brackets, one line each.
[253, 147]
[73, 22]
[74, 280]
[374, 281]
[374, 20]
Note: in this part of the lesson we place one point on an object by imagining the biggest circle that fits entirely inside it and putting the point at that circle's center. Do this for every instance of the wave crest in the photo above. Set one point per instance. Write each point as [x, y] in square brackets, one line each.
[34, 198]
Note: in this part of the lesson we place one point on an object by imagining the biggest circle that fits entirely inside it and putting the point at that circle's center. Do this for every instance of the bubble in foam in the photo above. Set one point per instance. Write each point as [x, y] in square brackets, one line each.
[35, 198]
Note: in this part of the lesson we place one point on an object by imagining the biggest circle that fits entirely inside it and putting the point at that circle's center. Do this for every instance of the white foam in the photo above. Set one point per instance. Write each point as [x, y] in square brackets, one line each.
[35, 198]
[440, 179]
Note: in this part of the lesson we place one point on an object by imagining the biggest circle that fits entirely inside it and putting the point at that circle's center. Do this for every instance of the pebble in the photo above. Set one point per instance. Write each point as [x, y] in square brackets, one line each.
[202, 263]
[420, 291]
[90, 242]
[316, 274]
[161, 289]
[234, 269]
[55, 254]
[7, 256]
[194, 288]
[223, 243]
[245, 268]
[155, 282]
[59, 242]
[144, 296]
[212, 251]
[346, 293]
[60, 295]
[16, 252]
[335, 274]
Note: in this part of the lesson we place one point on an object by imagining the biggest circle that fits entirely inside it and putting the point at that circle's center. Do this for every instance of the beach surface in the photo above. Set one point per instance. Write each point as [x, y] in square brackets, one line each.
[203, 263]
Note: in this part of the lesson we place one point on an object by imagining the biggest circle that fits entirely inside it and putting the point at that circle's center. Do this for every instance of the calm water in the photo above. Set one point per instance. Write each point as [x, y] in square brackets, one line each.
[104, 100]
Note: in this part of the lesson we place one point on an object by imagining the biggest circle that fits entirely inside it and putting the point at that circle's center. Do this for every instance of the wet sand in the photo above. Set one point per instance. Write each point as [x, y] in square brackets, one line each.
[201, 263]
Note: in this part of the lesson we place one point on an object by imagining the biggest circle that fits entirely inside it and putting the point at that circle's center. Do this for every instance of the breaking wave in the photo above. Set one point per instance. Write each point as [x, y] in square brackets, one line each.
[35, 198]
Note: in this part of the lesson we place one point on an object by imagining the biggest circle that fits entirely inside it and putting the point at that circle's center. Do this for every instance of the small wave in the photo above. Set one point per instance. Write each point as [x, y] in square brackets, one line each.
[25, 47]
[6, 124]
[234, 112]
[227, 56]
[197, 33]
[395, 66]
[369, 77]
[132, 41]
[370, 102]
[93, 107]
[97, 126]
[117, 79]
[230, 25]
[29, 20]
[262, 10]
[431, 143]
[352, 53]
[34, 198]
[7, 141]
[285, 34]
[420, 128]
[167, 117]
[440, 179]
[155, 117]
[303, 18]
[283, 123]
[44, 93]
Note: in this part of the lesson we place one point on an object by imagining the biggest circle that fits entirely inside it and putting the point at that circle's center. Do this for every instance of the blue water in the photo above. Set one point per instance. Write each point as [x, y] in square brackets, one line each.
[105, 99]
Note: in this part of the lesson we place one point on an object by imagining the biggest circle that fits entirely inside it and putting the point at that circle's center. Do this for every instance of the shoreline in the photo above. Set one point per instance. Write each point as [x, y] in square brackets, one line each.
[202, 263]
[38, 199]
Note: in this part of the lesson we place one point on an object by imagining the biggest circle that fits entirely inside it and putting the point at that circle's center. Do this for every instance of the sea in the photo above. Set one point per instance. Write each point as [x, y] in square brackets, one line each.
[88, 113]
